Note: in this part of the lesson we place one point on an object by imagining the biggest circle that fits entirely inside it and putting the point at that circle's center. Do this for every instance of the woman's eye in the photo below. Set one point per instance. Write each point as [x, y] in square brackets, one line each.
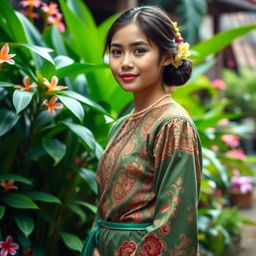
[116, 52]
[139, 51]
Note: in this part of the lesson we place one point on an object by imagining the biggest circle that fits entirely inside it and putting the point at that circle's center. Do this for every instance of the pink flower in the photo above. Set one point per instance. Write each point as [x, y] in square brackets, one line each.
[244, 184]
[223, 122]
[219, 84]
[51, 9]
[52, 86]
[231, 140]
[57, 20]
[51, 105]
[219, 192]
[5, 57]
[30, 3]
[236, 153]
[215, 148]
[27, 86]
[8, 185]
[8, 247]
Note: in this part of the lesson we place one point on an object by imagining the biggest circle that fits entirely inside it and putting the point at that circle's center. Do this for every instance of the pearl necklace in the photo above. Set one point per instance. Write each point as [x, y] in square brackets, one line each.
[143, 111]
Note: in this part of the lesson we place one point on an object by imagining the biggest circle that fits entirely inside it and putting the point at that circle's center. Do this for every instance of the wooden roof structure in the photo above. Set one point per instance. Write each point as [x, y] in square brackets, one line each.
[228, 14]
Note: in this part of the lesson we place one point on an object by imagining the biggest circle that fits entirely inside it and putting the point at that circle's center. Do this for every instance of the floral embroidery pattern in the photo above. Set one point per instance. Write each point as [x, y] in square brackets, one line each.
[123, 185]
[165, 229]
[179, 135]
[185, 241]
[127, 248]
[153, 246]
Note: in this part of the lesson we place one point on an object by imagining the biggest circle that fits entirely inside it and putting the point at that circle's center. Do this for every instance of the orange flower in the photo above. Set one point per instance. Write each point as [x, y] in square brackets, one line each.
[5, 57]
[51, 105]
[27, 86]
[57, 20]
[50, 9]
[8, 185]
[30, 3]
[52, 86]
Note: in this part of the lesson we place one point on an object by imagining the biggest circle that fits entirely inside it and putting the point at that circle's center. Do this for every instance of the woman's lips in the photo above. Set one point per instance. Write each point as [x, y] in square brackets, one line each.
[128, 77]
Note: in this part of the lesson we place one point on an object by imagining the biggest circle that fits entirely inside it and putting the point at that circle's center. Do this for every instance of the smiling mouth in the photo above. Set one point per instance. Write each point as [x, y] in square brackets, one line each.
[128, 77]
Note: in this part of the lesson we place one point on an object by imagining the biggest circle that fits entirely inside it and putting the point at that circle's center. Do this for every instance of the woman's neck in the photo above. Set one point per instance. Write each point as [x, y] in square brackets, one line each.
[144, 100]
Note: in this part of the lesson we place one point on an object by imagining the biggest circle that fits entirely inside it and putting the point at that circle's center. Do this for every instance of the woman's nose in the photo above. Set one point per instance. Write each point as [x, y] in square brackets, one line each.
[127, 61]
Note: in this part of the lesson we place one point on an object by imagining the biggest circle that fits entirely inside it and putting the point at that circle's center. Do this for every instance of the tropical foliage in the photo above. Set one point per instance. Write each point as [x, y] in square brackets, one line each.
[58, 99]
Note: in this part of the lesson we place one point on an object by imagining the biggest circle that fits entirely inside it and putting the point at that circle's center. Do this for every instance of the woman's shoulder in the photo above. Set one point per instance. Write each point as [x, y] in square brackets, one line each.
[169, 111]
[171, 114]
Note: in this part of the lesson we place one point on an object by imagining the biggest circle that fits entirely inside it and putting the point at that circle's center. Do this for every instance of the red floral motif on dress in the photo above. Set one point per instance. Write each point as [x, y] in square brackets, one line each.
[152, 246]
[127, 248]
[165, 229]
[166, 207]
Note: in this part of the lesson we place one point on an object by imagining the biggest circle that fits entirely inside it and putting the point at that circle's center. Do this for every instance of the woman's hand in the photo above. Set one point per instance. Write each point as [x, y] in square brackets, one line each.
[96, 252]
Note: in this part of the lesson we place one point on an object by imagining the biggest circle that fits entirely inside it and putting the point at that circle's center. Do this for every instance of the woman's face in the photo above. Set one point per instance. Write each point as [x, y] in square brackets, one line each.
[135, 61]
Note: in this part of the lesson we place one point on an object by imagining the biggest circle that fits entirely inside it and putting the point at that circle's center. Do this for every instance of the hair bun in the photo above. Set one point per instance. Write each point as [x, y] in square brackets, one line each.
[178, 76]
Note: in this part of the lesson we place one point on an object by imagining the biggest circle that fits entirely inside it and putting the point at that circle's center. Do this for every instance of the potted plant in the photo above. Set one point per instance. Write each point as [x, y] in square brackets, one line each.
[241, 190]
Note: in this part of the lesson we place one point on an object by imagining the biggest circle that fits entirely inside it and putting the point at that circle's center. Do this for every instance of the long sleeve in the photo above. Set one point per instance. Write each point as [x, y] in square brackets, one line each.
[177, 174]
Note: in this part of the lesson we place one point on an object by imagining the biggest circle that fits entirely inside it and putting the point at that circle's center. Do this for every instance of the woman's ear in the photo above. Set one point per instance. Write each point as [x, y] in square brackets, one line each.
[167, 59]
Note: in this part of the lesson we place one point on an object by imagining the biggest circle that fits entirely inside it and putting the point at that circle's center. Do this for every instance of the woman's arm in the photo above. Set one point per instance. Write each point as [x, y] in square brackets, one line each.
[177, 181]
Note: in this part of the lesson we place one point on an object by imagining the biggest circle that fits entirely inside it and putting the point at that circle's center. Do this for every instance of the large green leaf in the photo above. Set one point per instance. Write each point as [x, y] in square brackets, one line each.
[15, 177]
[58, 41]
[218, 42]
[21, 99]
[90, 177]
[83, 13]
[191, 13]
[14, 25]
[219, 171]
[25, 224]
[41, 51]
[77, 210]
[71, 241]
[201, 69]
[2, 210]
[84, 100]
[87, 47]
[7, 120]
[54, 148]
[43, 196]
[73, 105]
[79, 68]
[6, 84]
[105, 26]
[84, 134]
[19, 201]
[32, 34]
[92, 207]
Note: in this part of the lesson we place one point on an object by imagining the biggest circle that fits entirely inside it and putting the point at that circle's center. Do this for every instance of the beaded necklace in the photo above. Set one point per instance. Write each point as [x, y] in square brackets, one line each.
[143, 111]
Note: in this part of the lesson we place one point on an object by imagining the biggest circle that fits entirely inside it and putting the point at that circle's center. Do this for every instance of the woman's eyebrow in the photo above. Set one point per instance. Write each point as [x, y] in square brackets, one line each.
[137, 43]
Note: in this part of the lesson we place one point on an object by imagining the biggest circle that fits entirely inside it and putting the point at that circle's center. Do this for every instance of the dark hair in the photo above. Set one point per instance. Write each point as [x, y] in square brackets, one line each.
[158, 28]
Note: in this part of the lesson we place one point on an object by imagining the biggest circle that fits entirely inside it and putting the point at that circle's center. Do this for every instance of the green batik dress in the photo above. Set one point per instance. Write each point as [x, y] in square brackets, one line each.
[150, 172]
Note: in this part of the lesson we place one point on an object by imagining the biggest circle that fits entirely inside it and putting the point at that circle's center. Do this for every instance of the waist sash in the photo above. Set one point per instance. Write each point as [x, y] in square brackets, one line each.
[92, 239]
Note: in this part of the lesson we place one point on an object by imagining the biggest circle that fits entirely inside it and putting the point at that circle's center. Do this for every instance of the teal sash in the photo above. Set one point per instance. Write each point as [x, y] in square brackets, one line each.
[92, 239]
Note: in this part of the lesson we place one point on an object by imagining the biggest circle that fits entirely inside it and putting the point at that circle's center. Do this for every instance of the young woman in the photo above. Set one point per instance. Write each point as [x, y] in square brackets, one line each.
[149, 174]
